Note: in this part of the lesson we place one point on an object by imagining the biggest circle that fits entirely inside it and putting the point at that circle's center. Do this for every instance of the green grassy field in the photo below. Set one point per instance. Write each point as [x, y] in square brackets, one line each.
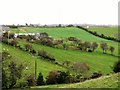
[61, 33]
[28, 60]
[97, 61]
[110, 81]
[108, 31]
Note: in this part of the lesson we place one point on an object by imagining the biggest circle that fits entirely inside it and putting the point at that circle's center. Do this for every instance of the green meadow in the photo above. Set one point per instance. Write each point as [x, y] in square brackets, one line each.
[97, 61]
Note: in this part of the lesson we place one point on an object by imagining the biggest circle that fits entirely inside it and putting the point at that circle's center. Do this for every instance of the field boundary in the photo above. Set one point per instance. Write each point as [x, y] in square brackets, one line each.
[98, 35]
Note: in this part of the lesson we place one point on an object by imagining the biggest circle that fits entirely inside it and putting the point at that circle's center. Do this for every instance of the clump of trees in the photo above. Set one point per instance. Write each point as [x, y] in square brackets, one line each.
[57, 77]
[15, 74]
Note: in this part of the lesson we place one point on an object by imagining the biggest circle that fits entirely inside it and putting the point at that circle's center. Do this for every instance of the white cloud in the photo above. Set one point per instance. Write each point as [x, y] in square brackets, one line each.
[59, 11]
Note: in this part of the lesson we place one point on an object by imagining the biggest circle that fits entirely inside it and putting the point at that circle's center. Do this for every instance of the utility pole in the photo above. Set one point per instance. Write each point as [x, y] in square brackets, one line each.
[35, 69]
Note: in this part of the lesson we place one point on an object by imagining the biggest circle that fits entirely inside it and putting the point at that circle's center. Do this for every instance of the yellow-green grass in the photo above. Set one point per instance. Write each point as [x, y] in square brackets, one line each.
[28, 60]
[108, 31]
[110, 81]
[96, 60]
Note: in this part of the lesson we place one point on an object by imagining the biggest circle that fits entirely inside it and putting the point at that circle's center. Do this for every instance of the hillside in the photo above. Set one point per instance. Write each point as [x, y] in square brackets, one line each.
[28, 60]
[110, 81]
[107, 31]
[97, 61]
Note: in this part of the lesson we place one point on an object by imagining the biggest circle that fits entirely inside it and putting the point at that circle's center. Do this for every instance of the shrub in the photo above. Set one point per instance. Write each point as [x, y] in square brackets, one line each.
[40, 80]
[5, 80]
[31, 80]
[116, 67]
[5, 55]
[14, 43]
[57, 77]
[80, 67]
[28, 47]
[96, 75]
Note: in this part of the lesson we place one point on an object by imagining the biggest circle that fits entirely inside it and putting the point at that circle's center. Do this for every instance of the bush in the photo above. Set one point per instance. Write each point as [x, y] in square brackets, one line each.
[116, 67]
[40, 80]
[14, 43]
[28, 47]
[96, 75]
[57, 77]
[31, 80]
[5, 55]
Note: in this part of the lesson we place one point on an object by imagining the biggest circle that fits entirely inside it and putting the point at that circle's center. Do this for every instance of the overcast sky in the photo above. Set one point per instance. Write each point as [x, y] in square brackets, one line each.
[59, 11]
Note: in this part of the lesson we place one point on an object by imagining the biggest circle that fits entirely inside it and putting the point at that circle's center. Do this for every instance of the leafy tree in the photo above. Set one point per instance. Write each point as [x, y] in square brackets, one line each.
[104, 47]
[111, 49]
[94, 46]
[86, 45]
[40, 80]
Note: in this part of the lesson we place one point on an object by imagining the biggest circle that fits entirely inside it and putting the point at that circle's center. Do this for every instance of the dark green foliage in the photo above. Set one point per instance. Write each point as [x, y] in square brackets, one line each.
[96, 75]
[116, 67]
[40, 80]
[5, 79]
[5, 55]
[58, 77]
[16, 70]
[12, 76]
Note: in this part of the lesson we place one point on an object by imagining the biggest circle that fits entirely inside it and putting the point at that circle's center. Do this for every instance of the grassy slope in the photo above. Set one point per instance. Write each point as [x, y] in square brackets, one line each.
[62, 32]
[28, 60]
[97, 60]
[70, 31]
[108, 31]
[110, 81]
